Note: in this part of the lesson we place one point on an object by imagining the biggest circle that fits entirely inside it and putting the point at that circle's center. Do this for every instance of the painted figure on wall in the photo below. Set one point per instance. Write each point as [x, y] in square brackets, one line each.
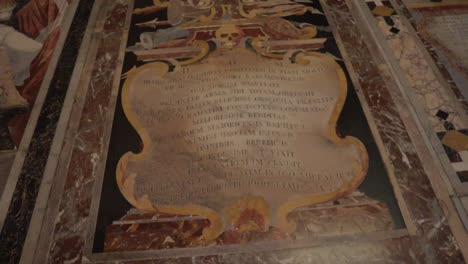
[29, 31]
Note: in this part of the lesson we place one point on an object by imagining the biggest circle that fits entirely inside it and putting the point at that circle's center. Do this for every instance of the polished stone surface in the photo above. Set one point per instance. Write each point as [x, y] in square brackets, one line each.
[65, 228]
[415, 183]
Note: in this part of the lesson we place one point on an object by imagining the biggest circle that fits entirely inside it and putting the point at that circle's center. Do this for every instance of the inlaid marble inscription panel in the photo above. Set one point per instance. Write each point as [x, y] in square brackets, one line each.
[238, 127]
[237, 123]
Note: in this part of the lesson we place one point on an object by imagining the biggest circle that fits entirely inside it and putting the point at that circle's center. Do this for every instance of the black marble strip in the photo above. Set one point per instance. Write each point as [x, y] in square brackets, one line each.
[15, 228]
[6, 143]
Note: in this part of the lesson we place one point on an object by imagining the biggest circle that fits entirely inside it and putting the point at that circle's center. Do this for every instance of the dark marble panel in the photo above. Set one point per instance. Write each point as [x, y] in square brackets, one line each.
[5, 139]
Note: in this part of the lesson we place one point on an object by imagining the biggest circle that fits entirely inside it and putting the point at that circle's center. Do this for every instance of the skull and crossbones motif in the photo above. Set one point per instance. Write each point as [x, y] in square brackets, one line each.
[229, 36]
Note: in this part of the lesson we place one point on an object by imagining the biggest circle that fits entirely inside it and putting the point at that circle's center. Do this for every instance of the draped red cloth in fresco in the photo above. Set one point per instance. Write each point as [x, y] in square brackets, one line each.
[33, 17]
[36, 15]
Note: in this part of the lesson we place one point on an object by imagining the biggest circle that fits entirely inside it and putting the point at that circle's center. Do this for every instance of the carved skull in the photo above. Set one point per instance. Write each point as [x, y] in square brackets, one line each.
[229, 36]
